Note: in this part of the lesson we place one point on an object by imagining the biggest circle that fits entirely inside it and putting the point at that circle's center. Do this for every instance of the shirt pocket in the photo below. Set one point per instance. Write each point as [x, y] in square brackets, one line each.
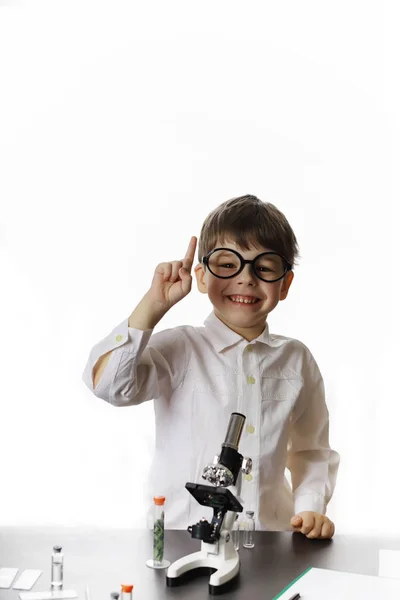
[216, 385]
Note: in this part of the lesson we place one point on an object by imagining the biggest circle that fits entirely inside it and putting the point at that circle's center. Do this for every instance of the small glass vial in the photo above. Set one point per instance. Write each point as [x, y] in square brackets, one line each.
[57, 568]
[248, 530]
[236, 533]
[158, 561]
[126, 592]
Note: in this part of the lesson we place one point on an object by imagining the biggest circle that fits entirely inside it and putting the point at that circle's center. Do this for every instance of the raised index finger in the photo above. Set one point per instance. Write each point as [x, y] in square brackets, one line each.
[190, 252]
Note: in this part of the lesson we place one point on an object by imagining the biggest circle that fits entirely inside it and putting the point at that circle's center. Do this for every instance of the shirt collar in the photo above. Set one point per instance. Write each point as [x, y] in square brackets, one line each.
[221, 336]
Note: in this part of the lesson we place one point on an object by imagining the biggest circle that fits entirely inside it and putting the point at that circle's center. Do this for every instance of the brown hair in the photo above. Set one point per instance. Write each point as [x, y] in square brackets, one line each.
[247, 220]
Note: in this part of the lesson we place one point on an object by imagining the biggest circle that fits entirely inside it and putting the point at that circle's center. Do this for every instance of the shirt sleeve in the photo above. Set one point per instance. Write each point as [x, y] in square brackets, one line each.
[311, 461]
[142, 366]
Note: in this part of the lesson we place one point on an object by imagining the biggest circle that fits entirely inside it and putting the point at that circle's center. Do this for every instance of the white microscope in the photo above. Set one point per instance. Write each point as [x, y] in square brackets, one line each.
[217, 555]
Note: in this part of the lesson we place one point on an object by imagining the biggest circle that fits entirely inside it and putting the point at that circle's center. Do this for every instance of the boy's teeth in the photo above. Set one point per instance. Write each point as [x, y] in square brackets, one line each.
[244, 300]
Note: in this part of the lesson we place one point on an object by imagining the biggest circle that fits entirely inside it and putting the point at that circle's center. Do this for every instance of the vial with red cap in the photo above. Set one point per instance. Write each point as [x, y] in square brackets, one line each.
[158, 561]
[126, 592]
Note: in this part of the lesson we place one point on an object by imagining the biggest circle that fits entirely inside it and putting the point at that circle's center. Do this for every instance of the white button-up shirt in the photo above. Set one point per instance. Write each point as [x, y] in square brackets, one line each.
[198, 376]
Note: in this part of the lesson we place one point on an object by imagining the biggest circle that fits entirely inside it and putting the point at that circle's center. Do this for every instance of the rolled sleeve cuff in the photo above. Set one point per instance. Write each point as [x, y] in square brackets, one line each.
[132, 340]
[121, 339]
[310, 502]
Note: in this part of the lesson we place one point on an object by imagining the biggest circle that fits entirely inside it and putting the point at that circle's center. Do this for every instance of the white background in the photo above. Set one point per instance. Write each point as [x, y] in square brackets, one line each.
[122, 124]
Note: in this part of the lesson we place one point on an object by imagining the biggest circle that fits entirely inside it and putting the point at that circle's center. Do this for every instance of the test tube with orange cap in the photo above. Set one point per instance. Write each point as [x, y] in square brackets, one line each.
[158, 561]
[126, 592]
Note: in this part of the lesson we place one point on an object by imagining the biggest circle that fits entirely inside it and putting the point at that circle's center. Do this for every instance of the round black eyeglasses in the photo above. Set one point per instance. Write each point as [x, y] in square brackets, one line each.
[226, 263]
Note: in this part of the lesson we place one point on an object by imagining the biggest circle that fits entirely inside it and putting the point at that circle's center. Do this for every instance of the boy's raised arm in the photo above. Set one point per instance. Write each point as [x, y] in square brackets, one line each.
[172, 281]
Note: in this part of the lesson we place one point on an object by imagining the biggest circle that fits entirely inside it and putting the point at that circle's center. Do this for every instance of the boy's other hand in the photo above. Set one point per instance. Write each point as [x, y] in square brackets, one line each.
[172, 281]
[313, 525]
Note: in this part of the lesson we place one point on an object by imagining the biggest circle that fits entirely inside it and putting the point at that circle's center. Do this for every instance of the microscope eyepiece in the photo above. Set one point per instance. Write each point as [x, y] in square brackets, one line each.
[234, 432]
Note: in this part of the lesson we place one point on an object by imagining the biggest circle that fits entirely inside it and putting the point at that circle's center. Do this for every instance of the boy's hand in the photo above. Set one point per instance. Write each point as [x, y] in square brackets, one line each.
[313, 525]
[172, 281]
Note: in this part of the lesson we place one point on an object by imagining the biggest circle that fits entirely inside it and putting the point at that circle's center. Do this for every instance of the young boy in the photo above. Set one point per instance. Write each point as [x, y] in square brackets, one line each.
[198, 376]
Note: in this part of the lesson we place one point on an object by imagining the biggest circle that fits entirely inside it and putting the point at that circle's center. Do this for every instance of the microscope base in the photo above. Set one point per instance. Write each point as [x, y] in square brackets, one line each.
[224, 568]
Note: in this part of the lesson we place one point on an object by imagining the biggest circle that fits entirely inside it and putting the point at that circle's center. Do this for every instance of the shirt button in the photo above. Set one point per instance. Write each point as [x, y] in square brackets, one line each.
[248, 477]
[119, 337]
[250, 429]
[250, 379]
[249, 348]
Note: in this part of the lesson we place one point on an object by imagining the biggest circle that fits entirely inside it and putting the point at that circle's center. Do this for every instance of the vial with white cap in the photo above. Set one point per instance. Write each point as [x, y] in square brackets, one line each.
[248, 530]
[57, 568]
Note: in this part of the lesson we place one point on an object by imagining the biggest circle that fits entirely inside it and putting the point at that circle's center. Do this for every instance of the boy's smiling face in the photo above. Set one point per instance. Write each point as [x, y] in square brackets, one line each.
[246, 318]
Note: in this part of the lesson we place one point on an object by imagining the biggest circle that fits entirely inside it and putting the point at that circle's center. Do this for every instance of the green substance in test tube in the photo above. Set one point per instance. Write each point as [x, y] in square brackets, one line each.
[158, 539]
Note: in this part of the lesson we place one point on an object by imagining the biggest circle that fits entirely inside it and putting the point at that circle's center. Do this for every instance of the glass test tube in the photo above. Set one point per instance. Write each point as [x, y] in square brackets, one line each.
[236, 533]
[57, 568]
[158, 561]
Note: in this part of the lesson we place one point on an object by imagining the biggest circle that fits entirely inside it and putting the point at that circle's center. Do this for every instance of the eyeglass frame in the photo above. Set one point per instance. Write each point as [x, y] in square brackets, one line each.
[244, 262]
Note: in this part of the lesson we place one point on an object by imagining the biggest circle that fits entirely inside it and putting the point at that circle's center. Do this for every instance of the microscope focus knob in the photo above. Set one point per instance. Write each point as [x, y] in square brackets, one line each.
[203, 530]
[247, 465]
